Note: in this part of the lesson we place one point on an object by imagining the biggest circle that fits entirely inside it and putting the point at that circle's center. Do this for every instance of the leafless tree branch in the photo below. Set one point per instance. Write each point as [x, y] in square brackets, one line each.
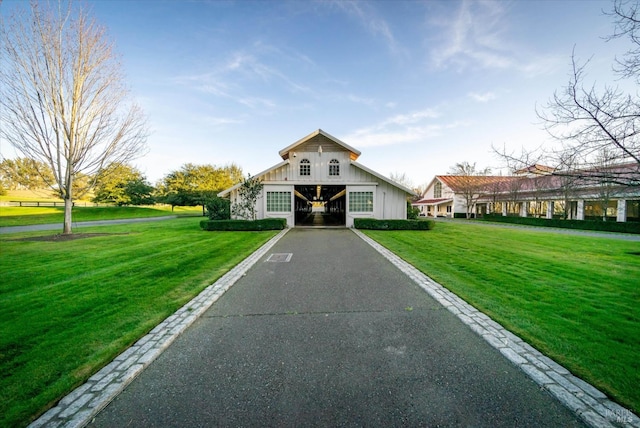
[62, 97]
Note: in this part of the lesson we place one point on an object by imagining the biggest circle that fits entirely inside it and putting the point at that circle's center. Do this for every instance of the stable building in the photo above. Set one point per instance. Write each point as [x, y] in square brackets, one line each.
[606, 193]
[319, 183]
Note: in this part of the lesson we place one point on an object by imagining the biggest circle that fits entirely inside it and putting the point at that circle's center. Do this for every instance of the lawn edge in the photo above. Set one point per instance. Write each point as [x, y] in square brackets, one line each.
[81, 405]
[582, 398]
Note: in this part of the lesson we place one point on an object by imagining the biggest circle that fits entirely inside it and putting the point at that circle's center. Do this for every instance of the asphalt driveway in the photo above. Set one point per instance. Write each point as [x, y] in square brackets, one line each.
[327, 332]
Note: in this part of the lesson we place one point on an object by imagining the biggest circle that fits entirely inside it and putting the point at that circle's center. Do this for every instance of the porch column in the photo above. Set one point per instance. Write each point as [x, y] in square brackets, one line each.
[524, 209]
[549, 209]
[622, 210]
[504, 209]
[580, 214]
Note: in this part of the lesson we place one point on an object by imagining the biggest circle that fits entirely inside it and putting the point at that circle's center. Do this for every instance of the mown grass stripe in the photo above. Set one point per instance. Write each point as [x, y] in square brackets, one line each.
[68, 308]
[575, 298]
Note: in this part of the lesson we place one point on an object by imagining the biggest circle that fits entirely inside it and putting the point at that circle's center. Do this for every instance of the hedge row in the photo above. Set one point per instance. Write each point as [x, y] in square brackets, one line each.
[372, 223]
[601, 226]
[236, 225]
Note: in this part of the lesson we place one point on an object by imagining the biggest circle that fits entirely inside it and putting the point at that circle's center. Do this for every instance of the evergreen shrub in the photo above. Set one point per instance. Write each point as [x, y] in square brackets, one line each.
[601, 226]
[244, 225]
[375, 224]
[218, 208]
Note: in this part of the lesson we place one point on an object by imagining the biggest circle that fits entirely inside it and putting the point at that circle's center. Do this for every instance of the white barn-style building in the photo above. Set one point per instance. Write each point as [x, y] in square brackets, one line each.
[319, 182]
[536, 192]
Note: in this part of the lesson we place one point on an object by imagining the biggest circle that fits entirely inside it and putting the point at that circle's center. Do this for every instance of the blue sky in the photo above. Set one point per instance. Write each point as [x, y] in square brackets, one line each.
[416, 86]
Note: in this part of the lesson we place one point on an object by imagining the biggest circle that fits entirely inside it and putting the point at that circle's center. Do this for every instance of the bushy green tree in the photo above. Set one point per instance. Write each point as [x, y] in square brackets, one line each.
[26, 173]
[412, 212]
[194, 185]
[123, 184]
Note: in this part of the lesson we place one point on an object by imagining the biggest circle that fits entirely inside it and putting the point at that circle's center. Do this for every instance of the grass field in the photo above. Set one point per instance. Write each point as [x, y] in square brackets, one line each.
[20, 216]
[575, 298]
[68, 307]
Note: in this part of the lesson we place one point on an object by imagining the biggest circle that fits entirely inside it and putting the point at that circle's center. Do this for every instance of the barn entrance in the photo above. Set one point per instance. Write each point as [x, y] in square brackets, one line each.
[320, 205]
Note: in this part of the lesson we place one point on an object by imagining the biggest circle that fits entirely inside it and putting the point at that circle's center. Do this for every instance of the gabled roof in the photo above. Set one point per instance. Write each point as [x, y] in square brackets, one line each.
[258, 175]
[458, 183]
[535, 169]
[284, 153]
[436, 201]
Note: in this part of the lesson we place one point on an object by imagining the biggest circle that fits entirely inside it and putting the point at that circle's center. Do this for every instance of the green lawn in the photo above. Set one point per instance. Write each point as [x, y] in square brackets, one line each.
[20, 216]
[575, 298]
[68, 307]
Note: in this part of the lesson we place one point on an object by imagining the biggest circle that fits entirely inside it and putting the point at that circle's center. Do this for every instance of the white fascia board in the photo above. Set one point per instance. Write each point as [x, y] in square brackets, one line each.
[302, 140]
[258, 175]
[383, 178]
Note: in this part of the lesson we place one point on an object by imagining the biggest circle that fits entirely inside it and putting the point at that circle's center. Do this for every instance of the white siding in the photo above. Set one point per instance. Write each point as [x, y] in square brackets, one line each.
[320, 167]
[389, 202]
[277, 188]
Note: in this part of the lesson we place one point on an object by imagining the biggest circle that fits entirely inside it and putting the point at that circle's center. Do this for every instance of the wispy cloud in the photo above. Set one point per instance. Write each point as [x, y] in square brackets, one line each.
[401, 129]
[255, 102]
[220, 121]
[204, 82]
[243, 72]
[482, 97]
[478, 36]
[474, 35]
[376, 25]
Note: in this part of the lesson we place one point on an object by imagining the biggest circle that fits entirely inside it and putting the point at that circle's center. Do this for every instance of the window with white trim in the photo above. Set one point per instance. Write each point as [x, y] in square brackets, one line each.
[437, 190]
[278, 202]
[305, 167]
[361, 201]
[334, 167]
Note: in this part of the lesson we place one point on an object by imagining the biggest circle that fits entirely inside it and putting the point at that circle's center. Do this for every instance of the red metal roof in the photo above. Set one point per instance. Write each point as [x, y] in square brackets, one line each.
[431, 201]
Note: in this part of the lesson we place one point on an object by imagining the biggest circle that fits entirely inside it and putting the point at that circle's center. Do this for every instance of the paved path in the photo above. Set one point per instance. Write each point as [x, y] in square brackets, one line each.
[58, 226]
[336, 336]
[340, 333]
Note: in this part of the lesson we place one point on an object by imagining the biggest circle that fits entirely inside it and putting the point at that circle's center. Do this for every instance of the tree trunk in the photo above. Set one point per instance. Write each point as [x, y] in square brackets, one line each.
[68, 206]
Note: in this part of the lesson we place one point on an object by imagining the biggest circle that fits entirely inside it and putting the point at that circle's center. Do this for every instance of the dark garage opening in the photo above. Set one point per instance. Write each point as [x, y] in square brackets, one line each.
[320, 205]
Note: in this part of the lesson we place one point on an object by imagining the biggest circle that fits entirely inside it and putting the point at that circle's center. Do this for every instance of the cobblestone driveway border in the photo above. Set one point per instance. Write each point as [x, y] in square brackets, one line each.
[79, 407]
[589, 403]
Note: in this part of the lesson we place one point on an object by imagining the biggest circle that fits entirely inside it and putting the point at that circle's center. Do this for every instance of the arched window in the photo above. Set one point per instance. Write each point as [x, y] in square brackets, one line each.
[305, 167]
[334, 167]
[437, 190]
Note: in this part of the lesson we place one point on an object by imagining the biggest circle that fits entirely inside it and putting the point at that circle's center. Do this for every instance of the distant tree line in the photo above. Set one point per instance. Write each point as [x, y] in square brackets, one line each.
[123, 184]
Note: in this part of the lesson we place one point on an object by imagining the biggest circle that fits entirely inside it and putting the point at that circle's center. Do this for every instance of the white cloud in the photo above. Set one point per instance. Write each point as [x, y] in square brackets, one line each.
[473, 36]
[206, 82]
[374, 24]
[372, 138]
[255, 102]
[482, 98]
[401, 129]
[479, 36]
[361, 100]
[219, 121]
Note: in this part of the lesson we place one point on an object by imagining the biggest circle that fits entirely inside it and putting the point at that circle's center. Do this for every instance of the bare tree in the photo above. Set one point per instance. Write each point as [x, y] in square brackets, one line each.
[626, 18]
[586, 119]
[62, 97]
[606, 189]
[468, 183]
[568, 182]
